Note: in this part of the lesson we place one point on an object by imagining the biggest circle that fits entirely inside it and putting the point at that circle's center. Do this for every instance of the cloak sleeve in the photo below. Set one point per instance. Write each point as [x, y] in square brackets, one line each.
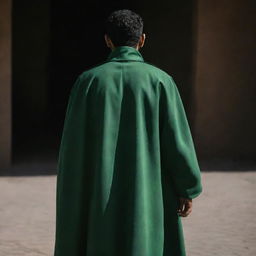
[178, 154]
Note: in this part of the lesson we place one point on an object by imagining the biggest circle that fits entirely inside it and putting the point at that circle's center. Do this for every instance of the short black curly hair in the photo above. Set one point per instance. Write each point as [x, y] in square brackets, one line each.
[124, 27]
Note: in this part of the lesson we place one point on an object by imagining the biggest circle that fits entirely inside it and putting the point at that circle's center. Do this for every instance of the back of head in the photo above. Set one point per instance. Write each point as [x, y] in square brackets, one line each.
[124, 28]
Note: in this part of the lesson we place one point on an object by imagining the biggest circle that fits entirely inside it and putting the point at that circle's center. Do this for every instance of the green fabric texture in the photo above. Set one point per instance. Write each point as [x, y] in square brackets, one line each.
[126, 156]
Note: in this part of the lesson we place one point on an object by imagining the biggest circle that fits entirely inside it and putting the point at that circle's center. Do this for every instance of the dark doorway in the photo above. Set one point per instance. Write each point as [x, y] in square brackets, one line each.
[55, 41]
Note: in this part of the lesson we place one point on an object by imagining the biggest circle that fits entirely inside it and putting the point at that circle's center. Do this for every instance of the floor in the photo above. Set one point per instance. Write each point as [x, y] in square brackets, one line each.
[222, 222]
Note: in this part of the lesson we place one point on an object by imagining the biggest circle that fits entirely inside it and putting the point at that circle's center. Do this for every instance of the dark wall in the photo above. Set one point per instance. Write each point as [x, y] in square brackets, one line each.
[5, 83]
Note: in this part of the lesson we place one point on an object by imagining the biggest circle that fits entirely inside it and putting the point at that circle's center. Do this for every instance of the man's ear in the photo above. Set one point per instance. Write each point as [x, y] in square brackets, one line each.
[142, 40]
[108, 42]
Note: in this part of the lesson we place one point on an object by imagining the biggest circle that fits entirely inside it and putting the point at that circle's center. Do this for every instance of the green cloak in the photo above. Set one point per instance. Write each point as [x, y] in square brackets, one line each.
[126, 156]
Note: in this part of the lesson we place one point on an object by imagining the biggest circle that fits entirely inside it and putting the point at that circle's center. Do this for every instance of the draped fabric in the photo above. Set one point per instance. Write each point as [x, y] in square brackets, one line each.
[126, 156]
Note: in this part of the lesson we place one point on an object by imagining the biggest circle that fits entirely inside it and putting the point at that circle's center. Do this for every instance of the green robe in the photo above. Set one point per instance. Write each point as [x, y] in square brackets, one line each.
[126, 156]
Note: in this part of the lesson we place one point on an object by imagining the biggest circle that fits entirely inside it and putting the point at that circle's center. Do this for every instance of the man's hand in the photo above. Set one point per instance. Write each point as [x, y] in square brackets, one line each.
[185, 207]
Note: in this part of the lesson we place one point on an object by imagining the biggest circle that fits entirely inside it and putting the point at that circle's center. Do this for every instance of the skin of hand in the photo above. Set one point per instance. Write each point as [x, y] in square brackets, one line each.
[185, 207]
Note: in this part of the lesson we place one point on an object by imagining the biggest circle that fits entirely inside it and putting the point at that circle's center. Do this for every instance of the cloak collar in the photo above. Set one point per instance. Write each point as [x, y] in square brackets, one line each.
[125, 53]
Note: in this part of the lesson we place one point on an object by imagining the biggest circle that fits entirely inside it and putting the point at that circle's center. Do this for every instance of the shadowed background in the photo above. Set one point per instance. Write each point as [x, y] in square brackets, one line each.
[207, 46]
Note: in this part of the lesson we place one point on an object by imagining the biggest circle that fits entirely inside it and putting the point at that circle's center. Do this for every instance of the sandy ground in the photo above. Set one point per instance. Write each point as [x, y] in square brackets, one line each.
[222, 222]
